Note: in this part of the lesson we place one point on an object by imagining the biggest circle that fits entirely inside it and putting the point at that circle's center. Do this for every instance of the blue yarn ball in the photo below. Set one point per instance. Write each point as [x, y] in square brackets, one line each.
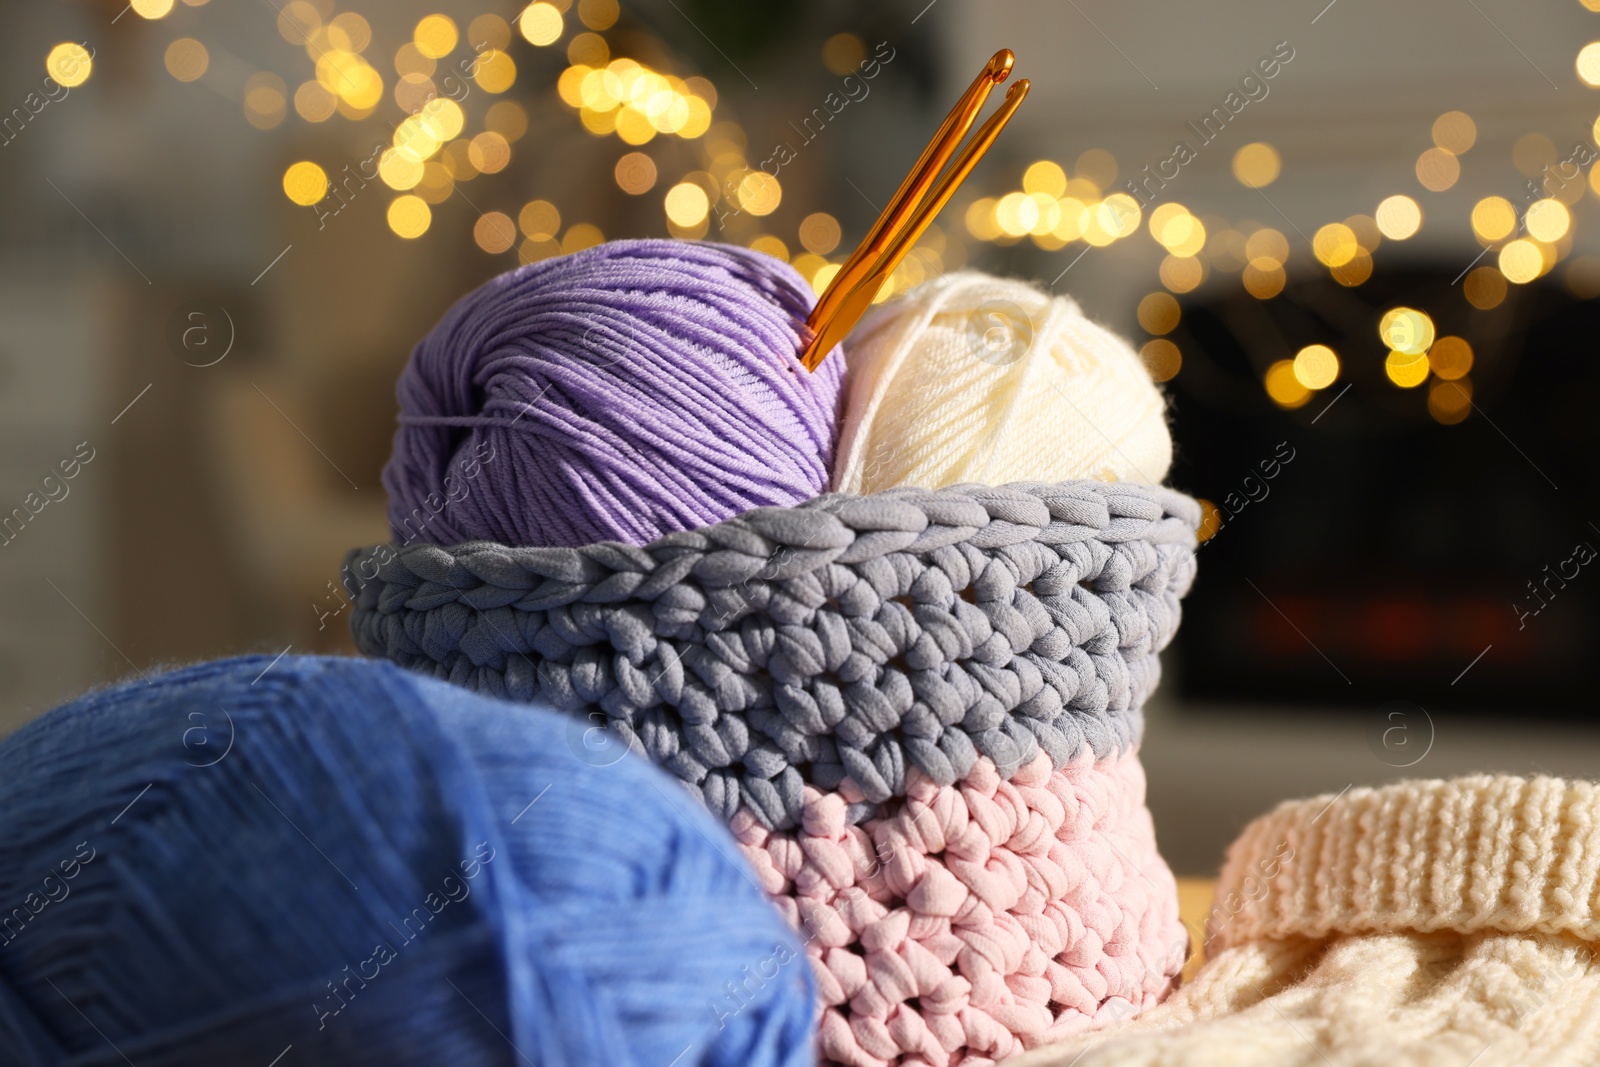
[373, 868]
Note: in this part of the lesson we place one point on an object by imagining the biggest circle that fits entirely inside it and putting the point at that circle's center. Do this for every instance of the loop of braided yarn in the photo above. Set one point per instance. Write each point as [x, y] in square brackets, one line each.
[849, 639]
[965, 924]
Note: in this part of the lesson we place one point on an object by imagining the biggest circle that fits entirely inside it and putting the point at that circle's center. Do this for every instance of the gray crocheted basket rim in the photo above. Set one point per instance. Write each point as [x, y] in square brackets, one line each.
[849, 636]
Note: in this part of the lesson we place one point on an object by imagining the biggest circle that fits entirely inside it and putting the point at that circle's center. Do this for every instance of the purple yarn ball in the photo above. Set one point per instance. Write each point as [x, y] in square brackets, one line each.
[616, 394]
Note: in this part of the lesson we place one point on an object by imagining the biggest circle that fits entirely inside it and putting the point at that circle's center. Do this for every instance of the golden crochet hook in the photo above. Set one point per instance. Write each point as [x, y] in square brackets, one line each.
[912, 209]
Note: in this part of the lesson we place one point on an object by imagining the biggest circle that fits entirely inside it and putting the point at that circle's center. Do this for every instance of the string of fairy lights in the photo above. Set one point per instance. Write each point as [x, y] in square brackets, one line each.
[439, 144]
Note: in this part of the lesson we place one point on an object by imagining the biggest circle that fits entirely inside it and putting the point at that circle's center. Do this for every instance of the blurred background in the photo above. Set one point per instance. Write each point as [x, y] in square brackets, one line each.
[1356, 241]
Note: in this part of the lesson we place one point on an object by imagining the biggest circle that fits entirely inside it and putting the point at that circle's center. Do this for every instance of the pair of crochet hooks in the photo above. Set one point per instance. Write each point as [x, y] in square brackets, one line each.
[919, 199]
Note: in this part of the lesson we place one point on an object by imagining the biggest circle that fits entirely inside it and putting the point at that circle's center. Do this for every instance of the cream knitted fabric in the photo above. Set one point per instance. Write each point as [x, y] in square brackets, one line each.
[1432, 922]
[972, 378]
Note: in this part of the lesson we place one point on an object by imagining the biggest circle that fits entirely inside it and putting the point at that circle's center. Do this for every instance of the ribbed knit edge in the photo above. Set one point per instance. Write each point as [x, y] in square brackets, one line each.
[1482, 853]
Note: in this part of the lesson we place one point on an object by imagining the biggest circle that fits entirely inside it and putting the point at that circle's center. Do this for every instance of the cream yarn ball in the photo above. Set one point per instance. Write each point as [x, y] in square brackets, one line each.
[972, 378]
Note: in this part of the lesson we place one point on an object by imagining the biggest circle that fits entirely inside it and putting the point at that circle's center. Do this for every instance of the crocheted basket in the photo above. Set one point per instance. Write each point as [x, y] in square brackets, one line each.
[918, 711]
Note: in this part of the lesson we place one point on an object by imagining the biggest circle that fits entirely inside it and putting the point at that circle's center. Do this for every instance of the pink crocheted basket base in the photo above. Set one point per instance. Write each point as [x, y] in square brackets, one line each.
[971, 922]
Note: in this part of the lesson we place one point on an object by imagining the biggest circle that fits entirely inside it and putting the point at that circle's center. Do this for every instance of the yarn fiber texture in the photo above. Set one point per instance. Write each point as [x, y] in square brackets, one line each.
[972, 922]
[1427, 922]
[618, 393]
[972, 378]
[858, 637]
[370, 867]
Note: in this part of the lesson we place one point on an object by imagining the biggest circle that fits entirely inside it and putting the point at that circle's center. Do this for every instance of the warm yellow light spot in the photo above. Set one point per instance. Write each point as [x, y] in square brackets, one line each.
[1118, 214]
[1455, 132]
[1182, 274]
[1406, 330]
[1399, 217]
[1354, 272]
[443, 118]
[1159, 313]
[600, 90]
[772, 246]
[297, 21]
[1016, 214]
[264, 101]
[1074, 221]
[435, 37]
[1162, 358]
[497, 72]
[635, 173]
[408, 59]
[305, 183]
[314, 103]
[699, 120]
[1316, 366]
[491, 30]
[415, 138]
[686, 204]
[634, 126]
[409, 216]
[824, 275]
[1045, 177]
[539, 220]
[819, 233]
[399, 170]
[508, 119]
[1266, 248]
[1263, 278]
[1335, 244]
[349, 31]
[760, 193]
[1283, 387]
[413, 91]
[531, 251]
[540, 24]
[588, 50]
[437, 183]
[151, 9]
[1257, 165]
[1450, 402]
[1180, 232]
[1405, 369]
[1437, 170]
[1493, 217]
[69, 63]
[581, 236]
[1485, 288]
[598, 14]
[842, 53]
[982, 218]
[600, 123]
[1368, 236]
[1210, 521]
[494, 232]
[1547, 220]
[489, 152]
[1450, 358]
[1589, 63]
[1521, 262]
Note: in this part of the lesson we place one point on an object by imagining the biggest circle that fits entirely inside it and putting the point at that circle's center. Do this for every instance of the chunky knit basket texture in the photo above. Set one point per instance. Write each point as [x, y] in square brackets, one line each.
[855, 637]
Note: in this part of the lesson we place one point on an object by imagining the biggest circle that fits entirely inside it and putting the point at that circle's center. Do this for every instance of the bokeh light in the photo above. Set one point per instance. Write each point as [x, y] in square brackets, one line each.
[1493, 218]
[1450, 358]
[1257, 165]
[305, 183]
[494, 232]
[409, 216]
[151, 9]
[1159, 313]
[1162, 358]
[1284, 387]
[635, 173]
[1449, 402]
[435, 37]
[1485, 288]
[686, 204]
[1455, 132]
[1406, 330]
[1405, 369]
[1399, 217]
[1437, 170]
[1547, 220]
[1316, 366]
[69, 63]
[1521, 261]
[1588, 64]
[842, 53]
[819, 233]
[540, 24]
[539, 220]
